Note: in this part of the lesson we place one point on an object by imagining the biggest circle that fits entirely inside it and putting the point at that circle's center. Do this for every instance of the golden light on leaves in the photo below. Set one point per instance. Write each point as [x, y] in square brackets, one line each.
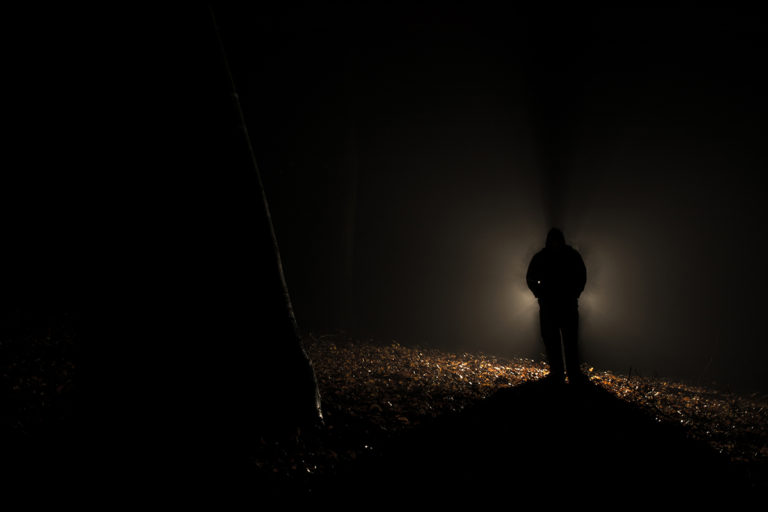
[370, 392]
[733, 424]
[395, 385]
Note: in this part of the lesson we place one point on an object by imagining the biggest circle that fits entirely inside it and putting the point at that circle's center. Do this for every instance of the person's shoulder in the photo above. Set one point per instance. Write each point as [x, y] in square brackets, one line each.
[573, 251]
[537, 258]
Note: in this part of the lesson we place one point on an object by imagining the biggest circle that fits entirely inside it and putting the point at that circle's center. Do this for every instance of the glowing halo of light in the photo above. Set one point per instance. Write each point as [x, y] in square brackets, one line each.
[523, 304]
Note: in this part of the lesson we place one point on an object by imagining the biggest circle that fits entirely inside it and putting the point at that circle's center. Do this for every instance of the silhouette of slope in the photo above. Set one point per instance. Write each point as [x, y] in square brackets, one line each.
[555, 443]
[540, 439]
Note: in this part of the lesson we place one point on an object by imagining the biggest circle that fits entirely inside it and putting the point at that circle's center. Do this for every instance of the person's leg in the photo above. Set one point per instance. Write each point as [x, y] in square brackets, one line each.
[571, 346]
[550, 334]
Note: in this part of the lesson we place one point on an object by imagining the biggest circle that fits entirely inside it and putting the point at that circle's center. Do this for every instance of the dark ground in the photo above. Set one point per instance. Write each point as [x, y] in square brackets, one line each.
[538, 441]
[402, 426]
[501, 434]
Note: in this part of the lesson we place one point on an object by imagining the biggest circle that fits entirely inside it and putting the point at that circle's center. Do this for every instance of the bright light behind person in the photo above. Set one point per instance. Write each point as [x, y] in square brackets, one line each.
[523, 303]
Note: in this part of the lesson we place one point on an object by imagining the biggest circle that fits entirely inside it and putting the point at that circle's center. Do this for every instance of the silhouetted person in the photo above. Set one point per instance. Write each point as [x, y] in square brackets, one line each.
[556, 276]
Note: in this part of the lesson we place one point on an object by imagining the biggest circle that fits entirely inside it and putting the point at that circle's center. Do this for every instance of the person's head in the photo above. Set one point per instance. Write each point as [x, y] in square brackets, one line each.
[555, 238]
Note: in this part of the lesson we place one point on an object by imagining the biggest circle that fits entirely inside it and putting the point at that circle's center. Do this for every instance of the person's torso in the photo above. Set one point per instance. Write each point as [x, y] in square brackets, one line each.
[558, 272]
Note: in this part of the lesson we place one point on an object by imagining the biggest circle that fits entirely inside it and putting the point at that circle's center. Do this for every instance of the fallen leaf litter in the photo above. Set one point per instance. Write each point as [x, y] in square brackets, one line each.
[371, 392]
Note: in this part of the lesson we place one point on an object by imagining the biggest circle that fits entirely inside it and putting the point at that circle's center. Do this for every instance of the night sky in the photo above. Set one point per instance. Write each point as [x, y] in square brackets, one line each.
[415, 158]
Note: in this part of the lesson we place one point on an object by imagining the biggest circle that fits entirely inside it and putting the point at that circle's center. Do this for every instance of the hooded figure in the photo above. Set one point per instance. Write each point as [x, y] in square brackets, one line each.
[556, 276]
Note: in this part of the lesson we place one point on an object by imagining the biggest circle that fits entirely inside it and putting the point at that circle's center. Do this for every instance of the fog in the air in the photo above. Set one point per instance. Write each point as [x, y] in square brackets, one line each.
[415, 163]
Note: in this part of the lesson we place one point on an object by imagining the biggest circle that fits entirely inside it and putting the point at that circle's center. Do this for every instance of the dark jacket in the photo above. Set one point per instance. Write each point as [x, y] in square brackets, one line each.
[557, 275]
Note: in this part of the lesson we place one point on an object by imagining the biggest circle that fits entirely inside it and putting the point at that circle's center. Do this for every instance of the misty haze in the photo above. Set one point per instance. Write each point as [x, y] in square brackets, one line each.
[421, 162]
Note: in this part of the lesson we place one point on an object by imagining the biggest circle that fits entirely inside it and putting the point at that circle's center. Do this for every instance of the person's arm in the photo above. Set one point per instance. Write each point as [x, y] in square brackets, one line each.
[533, 277]
[581, 275]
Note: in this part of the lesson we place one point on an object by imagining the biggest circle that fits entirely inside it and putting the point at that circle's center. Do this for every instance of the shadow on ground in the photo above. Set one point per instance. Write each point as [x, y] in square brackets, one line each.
[557, 443]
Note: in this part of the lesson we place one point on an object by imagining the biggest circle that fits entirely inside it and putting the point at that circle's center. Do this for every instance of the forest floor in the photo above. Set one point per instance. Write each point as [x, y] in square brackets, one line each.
[427, 422]
[407, 421]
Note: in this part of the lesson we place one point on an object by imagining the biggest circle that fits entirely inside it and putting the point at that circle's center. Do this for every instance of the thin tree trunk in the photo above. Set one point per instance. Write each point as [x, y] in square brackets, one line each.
[286, 386]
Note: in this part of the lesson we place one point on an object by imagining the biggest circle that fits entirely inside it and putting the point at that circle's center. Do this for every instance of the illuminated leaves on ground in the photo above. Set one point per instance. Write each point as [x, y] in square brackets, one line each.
[371, 392]
[395, 386]
[735, 425]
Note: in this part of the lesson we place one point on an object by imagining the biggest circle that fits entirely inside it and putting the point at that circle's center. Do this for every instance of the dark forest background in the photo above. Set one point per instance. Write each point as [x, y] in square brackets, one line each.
[414, 158]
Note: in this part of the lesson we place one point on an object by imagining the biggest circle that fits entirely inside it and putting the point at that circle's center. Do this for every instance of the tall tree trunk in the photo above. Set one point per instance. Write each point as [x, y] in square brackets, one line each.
[285, 390]
[192, 349]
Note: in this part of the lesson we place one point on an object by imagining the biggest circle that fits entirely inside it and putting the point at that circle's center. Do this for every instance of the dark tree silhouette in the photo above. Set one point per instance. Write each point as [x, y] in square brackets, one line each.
[192, 350]
[285, 388]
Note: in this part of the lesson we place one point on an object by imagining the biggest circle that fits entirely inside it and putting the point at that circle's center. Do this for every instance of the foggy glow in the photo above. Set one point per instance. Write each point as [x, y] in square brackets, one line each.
[589, 302]
[523, 303]
[433, 204]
